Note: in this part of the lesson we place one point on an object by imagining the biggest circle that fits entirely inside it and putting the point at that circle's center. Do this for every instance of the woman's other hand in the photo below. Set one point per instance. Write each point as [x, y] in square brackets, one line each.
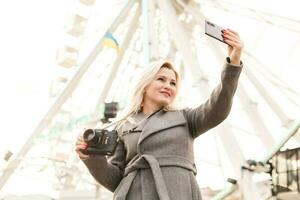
[235, 45]
[80, 144]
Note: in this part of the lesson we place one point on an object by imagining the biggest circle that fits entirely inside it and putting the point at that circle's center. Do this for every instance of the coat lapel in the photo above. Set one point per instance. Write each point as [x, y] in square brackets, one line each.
[134, 127]
[141, 120]
[160, 121]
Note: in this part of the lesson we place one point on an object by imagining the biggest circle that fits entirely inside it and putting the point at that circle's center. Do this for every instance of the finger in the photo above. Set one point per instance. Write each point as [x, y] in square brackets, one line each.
[231, 34]
[231, 38]
[230, 31]
[79, 147]
[237, 45]
[232, 43]
[238, 42]
[80, 142]
[82, 155]
[80, 139]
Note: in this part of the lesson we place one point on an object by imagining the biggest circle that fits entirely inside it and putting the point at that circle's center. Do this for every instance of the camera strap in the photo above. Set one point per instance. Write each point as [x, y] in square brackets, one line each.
[136, 125]
[112, 123]
[143, 120]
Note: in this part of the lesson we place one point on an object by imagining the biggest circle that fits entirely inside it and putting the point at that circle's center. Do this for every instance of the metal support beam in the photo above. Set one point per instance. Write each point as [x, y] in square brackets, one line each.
[255, 118]
[153, 47]
[285, 120]
[248, 187]
[266, 95]
[149, 33]
[145, 16]
[115, 66]
[172, 52]
[231, 146]
[291, 132]
[224, 193]
[180, 38]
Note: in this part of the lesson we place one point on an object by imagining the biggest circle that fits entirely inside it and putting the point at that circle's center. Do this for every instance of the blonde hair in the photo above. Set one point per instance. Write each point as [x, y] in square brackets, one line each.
[138, 91]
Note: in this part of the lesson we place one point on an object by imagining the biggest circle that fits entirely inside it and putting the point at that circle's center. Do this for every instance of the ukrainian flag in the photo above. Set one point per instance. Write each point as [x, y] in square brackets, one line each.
[110, 41]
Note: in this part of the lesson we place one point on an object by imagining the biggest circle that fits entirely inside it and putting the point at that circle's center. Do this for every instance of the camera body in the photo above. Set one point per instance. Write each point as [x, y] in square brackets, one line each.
[100, 141]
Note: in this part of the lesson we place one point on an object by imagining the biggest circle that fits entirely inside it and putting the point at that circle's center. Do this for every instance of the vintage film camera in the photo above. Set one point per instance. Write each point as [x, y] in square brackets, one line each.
[100, 141]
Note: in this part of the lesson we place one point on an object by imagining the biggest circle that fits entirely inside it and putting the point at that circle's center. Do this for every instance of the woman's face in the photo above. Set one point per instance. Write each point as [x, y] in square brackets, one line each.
[162, 89]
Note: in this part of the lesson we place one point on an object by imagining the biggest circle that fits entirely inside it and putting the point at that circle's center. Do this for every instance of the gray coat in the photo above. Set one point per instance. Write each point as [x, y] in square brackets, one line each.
[155, 159]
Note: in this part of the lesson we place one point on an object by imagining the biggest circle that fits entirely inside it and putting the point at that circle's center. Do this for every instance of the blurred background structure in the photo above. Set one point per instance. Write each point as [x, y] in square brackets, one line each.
[70, 64]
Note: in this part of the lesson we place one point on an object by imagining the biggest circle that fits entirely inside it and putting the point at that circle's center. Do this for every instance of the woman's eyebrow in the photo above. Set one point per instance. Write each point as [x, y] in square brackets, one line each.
[165, 77]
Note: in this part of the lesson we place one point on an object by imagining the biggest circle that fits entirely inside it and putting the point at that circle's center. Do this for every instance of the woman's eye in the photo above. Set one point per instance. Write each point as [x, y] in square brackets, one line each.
[173, 83]
[161, 79]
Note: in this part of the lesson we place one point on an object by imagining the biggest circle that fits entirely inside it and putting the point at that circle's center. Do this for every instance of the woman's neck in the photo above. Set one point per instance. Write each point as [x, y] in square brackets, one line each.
[148, 110]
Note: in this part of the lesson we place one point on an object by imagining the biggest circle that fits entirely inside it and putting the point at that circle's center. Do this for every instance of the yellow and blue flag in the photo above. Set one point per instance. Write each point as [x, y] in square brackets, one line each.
[110, 41]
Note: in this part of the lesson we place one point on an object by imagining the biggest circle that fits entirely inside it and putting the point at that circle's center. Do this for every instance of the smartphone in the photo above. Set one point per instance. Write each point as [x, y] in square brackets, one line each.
[214, 31]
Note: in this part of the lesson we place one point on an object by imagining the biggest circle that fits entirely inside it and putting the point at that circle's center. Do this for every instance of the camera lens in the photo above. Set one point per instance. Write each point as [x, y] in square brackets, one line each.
[90, 137]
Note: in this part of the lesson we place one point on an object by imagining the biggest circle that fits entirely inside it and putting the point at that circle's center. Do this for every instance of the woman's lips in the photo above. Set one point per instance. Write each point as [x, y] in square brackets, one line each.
[167, 93]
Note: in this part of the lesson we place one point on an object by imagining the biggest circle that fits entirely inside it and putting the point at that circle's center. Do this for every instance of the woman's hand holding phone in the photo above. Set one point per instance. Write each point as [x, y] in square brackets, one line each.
[229, 37]
[235, 45]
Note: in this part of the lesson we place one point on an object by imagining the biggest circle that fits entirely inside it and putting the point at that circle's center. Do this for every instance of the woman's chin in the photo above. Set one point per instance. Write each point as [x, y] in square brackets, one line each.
[164, 102]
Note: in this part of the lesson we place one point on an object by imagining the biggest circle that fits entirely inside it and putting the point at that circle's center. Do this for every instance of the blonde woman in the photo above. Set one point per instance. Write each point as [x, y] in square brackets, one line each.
[154, 159]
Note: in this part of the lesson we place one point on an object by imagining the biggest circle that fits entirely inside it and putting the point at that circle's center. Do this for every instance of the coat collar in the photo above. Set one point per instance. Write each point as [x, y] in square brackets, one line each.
[139, 121]
[160, 121]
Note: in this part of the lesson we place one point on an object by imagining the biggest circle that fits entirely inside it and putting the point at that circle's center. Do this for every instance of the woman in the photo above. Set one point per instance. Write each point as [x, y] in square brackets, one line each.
[154, 158]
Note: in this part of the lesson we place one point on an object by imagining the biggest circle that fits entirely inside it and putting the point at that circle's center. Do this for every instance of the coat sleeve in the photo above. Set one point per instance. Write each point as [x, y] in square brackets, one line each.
[217, 107]
[108, 171]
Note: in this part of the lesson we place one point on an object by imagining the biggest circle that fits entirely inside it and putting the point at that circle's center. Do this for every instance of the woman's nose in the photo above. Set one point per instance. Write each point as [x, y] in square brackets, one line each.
[167, 86]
